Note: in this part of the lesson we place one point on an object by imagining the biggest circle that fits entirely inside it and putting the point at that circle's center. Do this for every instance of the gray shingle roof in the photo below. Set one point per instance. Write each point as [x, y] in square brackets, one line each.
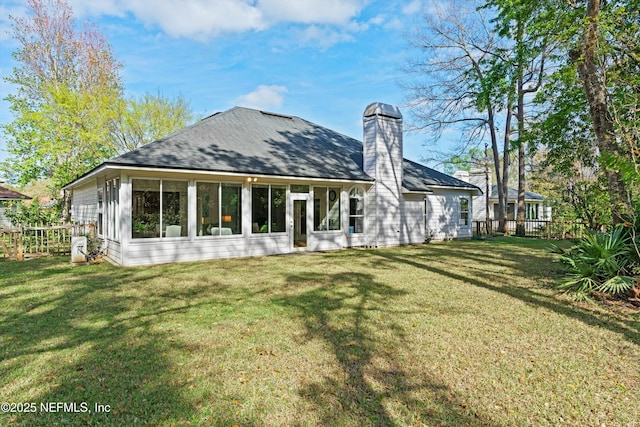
[417, 177]
[512, 194]
[247, 141]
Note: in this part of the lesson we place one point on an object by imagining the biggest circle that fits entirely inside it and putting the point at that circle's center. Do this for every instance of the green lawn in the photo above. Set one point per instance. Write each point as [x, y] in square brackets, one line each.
[456, 333]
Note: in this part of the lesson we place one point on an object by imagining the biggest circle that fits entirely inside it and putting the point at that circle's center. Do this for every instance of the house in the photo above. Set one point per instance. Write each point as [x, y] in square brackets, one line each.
[535, 206]
[7, 196]
[246, 182]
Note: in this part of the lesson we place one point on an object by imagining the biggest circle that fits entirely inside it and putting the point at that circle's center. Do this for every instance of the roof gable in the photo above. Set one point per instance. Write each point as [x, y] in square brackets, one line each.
[6, 194]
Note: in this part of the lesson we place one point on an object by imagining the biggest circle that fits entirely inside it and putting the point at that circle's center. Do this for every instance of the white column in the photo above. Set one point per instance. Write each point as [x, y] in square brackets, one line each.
[126, 194]
[192, 203]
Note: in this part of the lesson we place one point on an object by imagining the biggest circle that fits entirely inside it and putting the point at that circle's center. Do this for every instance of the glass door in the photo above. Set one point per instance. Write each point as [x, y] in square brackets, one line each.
[299, 224]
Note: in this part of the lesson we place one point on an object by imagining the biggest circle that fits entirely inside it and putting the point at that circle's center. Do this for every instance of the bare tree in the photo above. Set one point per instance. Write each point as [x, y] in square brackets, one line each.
[452, 84]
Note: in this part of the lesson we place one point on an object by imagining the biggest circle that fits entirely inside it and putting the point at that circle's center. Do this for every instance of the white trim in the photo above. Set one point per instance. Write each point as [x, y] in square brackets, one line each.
[244, 176]
[293, 197]
[364, 207]
[407, 191]
[445, 187]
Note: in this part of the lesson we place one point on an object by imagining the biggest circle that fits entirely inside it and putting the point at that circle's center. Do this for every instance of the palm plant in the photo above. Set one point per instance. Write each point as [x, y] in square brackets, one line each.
[602, 262]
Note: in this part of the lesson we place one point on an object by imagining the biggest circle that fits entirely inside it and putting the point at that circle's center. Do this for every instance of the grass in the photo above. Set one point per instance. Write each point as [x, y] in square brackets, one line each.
[457, 333]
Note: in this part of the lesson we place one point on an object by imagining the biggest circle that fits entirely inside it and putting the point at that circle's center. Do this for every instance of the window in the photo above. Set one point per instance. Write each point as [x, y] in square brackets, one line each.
[174, 209]
[111, 209]
[99, 225]
[464, 211]
[145, 208]
[159, 208]
[231, 208]
[511, 210]
[426, 213]
[326, 208]
[219, 209]
[268, 208]
[297, 188]
[532, 211]
[356, 210]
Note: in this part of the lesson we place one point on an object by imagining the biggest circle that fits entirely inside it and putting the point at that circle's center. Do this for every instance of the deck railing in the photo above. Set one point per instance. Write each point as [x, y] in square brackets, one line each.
[33, 240]
[556, 229]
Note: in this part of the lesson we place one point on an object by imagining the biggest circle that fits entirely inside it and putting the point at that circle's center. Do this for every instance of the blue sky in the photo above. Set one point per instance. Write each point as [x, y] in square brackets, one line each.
[322, 60]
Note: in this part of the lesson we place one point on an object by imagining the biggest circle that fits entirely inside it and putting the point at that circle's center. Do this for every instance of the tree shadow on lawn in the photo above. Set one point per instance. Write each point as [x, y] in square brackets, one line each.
[93, 342]
[482, 272]
[374, 385]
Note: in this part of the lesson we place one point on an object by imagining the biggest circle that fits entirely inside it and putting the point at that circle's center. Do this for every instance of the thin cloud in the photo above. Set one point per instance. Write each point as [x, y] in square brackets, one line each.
[263, 97]
[414, 7]
[322, 36]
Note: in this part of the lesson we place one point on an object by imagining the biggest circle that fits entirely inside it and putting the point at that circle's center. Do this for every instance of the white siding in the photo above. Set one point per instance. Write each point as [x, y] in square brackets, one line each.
[412, 219]
[443, 214]
[84, 204]
[268, 245]
[383, 161]
[327, 240]
[113, 251]
[4, 221]
[157, 251]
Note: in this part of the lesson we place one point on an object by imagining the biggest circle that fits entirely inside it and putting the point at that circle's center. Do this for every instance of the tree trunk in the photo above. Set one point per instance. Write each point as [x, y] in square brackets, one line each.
[66, 207]
[596, 94]
[520, 228]
[487, 182]
[503, 184]
[502, 208]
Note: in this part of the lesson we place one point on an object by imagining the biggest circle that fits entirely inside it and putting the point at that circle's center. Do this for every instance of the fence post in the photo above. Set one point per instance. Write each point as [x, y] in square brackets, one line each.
[20, 254]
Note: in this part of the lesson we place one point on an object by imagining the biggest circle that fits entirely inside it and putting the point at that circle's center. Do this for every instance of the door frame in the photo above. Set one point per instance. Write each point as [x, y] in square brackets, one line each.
[299, 197]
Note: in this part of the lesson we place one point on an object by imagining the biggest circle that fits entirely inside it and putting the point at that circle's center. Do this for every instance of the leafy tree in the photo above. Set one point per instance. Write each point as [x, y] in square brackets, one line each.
[593, 73]
[589, 105]
[32, 213]
[147, 118]
[67, 79]
[69, 110]
[474, 158]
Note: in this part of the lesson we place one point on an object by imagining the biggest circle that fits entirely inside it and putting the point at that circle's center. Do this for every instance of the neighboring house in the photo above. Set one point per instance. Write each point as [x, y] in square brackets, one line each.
[6, 196]
[246, 182]
[535, 207]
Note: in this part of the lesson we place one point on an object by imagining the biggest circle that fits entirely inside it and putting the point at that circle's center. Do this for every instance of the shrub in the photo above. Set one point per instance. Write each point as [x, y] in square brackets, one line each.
[601, 262]
[21, 213]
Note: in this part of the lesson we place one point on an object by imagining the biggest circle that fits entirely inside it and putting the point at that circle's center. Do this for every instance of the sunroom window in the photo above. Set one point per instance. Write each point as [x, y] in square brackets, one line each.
[268, 208]
[326, 206]
[159, 208]
[219, 209]
[356, 210]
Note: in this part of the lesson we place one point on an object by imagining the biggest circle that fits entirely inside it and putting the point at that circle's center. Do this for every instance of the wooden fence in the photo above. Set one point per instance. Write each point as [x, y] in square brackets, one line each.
[28, 241]
[559, 230]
